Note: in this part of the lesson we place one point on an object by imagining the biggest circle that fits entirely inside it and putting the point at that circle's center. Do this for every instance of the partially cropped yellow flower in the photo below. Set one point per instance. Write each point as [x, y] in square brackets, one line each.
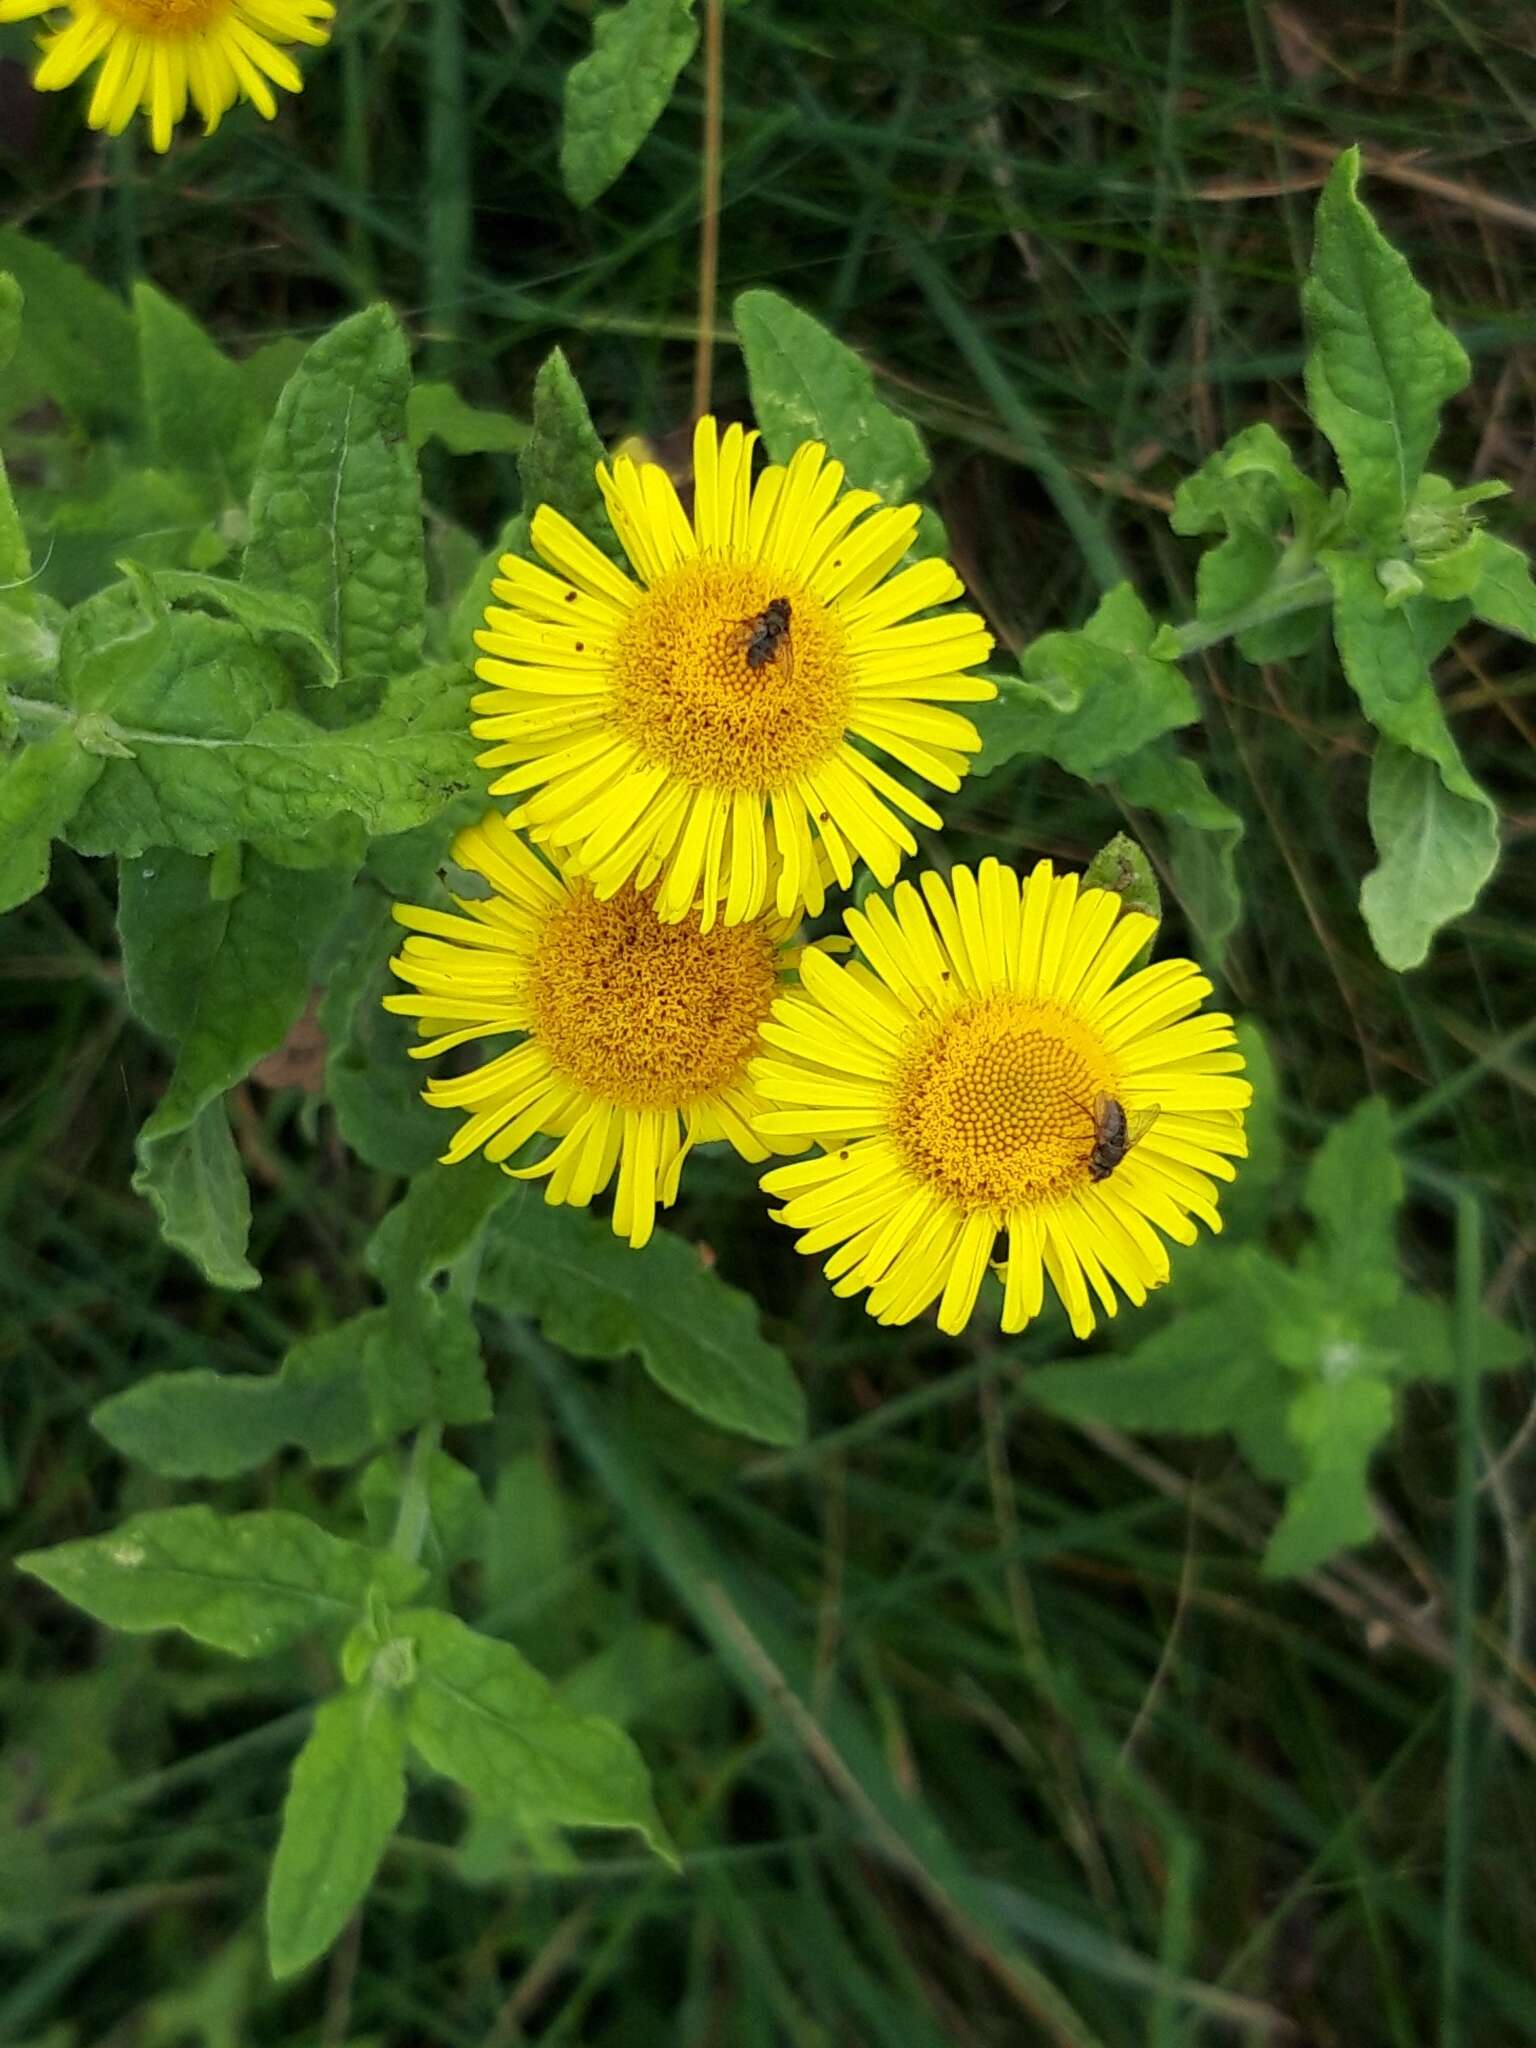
[158, 54]
[636, 1034]
[985, 1071]
[713, 728]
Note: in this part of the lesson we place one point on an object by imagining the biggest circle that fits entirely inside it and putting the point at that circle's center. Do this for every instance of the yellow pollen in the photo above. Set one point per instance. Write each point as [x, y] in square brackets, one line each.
[648, 1015]
[686, 694]
[993, 1104]
[170, 18]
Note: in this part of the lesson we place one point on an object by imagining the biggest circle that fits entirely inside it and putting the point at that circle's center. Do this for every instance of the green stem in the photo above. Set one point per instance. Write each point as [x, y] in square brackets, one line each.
[1301, 593]
[415, 1508]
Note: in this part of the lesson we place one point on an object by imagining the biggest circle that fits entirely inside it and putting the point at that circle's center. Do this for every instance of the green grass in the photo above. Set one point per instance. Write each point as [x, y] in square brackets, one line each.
[972, 1727]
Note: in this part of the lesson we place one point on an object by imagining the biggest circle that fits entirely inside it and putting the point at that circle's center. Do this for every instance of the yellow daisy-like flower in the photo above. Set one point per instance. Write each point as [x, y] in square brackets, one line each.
[636, 1034]
[156, 54]
[711, 728]
[985, 1069]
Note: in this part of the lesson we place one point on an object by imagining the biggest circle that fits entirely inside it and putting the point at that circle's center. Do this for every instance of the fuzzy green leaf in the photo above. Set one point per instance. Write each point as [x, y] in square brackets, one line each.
[78, 342]
[1418, 1337]
[1435, 830]
[1504, 594]
[1336, 1425]
[1203, 835]
[1087, 700]
[344, 1802]
[192, 713]
[480, 1714]
[615, 96]
[211, 1425]
[194, 1182]
[41, 787]
[336, 503]
[458, 1514]
[283, 622]
[809, 386]
[559, 465]
[443, 1213]
[697, 1337]
[197, 408]
[1379, 364]
[249, 1584]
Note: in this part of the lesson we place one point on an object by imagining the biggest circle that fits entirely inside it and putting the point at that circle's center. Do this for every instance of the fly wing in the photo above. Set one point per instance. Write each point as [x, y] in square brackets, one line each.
[1139, 1121]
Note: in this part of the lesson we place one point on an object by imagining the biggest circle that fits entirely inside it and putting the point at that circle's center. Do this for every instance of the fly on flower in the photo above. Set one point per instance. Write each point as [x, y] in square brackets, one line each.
[714, 724]
[949, 1074]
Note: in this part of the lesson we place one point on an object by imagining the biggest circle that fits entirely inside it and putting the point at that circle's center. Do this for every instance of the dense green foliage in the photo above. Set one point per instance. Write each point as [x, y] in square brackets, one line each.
[920, 1701]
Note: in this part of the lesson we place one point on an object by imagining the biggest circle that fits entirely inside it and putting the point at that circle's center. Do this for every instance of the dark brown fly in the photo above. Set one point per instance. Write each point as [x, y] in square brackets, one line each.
[767, 633]
[1114, 1133]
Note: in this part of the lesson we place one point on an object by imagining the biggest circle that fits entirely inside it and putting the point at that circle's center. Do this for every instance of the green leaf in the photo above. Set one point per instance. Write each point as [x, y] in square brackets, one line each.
[1379, 364]
[197, 406]
[1504, 594]
[211, 1425]
[442, 1216]
[1336, 1425]
[336, 504]
[481, 1715]
[559, 465]
[372, 1084]
[279, 621]
[1435, 830]
[344, 1802]
[225, 980]
[41, 787]
[194, 1182]
[248, 1584]
[615, 96]
[808, 386]
[1437, 849]
[436, 412]
[1353, 1191]
[1088, 699]
[437, 1225]
[78, 342]
[192, 712]
[1206, 1371]
[1203, 835]
[1121, 866]
[697, 1337]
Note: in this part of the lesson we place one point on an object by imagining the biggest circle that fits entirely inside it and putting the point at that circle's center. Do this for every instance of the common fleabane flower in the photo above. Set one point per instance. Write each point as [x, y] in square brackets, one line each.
[158, 54]
[712, 727]
[989, 1069]
[635, 1035]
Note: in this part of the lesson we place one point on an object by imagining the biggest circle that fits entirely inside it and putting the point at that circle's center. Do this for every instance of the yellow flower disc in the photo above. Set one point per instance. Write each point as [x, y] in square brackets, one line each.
[157, 55]
[713, 727]
[635, 1036]
[987, 1070]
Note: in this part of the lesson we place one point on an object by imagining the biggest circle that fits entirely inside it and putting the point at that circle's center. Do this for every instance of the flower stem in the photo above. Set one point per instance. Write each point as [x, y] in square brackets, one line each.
[1298, 593]
[415, 1508]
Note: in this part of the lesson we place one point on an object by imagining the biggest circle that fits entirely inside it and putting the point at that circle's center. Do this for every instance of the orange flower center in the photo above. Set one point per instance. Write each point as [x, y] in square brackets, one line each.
[648, 1015]
[708, 683]
[993, 1104]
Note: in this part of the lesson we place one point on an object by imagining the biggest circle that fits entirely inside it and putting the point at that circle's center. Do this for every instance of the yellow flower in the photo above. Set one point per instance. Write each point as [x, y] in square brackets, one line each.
[968, 1077]
[635, 1034]
[157, 53]
[710, 728]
